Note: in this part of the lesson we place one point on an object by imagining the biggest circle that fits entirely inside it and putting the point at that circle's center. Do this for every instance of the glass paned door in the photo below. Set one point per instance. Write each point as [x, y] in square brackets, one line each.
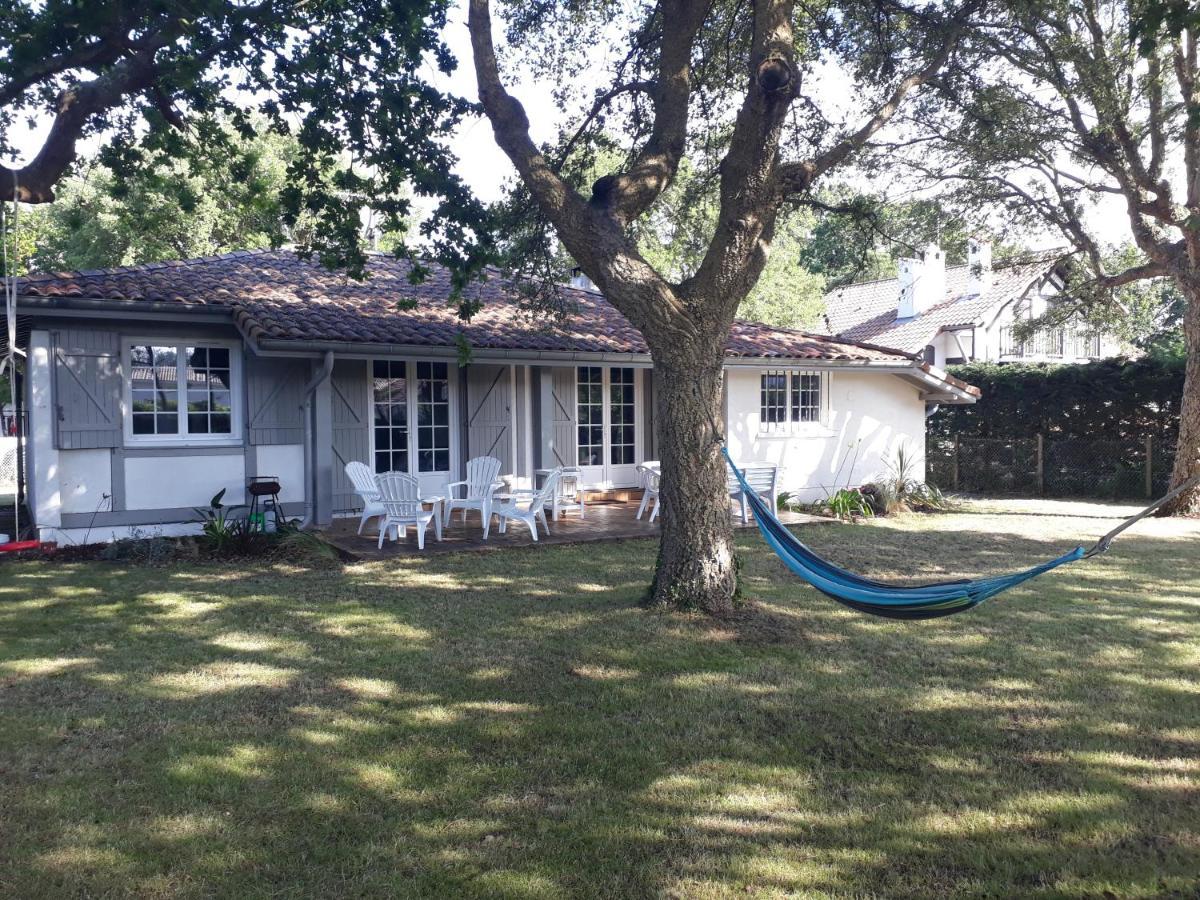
[433, 417]
[411, 418]
[608, 423]
[390, 393]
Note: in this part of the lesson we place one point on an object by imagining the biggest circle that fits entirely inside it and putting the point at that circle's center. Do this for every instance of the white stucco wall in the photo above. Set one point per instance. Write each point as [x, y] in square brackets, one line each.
[45, 499]
[286, 461]
[870, 416]
[85, 480]
[166, 482]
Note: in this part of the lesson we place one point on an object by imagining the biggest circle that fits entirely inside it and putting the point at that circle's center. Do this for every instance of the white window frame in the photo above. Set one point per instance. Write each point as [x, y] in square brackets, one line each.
[182, 437]
[792, 425]
[410, 369]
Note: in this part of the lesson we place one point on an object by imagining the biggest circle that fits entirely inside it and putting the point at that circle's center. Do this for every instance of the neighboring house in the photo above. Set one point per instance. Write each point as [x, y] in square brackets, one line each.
[964, 313]
[150, 388]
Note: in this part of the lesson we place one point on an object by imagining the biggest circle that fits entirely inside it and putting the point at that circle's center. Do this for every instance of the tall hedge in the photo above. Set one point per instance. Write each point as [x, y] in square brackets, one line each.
[1115, 399]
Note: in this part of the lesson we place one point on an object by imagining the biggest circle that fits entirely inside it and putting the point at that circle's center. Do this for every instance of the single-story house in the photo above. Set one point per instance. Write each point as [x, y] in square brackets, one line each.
[150, 388]
[959, 314]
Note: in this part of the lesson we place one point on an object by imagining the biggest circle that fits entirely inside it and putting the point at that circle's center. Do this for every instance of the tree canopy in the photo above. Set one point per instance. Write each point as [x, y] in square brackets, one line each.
[172, 208]
[164, 81]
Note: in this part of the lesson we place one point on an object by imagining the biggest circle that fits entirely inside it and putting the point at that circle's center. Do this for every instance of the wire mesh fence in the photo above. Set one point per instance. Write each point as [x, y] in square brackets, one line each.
[1046, 467]
[11, 468]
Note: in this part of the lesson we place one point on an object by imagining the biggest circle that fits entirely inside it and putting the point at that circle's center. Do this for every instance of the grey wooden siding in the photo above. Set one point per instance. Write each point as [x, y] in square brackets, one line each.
[351, 412]
[562, 451]
[525, 432]
[489, 416]
[274, 391]
[87, 389]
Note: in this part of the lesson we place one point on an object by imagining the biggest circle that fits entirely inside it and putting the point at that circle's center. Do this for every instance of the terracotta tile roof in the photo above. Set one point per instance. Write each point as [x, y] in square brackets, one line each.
[867, 311]
[275, 295]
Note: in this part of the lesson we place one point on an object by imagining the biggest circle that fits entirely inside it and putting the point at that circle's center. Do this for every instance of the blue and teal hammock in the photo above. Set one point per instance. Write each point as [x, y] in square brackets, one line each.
[924, 601]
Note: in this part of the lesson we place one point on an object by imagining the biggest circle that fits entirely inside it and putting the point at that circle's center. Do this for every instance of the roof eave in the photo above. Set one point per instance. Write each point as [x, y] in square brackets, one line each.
[94, 306]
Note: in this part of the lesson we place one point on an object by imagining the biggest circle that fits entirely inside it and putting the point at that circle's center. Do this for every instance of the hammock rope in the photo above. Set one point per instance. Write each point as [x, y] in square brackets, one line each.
[925, 601]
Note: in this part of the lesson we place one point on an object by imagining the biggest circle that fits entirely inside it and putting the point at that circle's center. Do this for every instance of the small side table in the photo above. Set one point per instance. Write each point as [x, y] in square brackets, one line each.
[574, 475]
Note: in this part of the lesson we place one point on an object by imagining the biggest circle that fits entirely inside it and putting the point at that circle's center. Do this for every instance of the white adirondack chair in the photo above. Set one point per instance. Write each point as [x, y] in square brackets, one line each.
[529, 508]
[363, 480]
[479, 485]
[649, 479]
[400, 495]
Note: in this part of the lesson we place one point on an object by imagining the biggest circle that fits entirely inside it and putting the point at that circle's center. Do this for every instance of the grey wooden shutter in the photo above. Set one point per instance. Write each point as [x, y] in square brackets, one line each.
[274, 390]
[564, 450]
[87, 389]
[489, 396]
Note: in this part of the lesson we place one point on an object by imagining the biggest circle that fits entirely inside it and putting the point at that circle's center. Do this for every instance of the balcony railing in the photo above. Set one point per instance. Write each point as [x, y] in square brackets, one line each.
[1051, 343]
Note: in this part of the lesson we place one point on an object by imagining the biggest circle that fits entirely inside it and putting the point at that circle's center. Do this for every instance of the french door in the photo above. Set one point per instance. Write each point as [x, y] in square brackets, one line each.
[609, 423]
[411, 419]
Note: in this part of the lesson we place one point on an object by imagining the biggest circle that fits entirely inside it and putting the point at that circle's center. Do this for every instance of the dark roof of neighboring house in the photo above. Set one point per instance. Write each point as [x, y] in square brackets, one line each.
[276, 295]
[867, 311]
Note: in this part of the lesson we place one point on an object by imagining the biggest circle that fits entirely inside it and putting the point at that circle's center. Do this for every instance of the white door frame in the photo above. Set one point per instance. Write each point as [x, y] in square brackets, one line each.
[608, 475]
[431, 482]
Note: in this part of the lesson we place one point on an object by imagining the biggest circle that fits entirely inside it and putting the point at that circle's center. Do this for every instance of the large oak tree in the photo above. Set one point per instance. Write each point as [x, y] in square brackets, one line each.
[729, 84]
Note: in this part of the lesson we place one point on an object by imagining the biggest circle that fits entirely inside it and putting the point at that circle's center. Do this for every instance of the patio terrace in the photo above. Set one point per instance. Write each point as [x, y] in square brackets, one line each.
[607, 520]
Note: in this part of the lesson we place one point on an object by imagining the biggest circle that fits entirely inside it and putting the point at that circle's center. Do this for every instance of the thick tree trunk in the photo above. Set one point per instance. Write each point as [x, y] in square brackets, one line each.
[695, 565]
[1187, 458]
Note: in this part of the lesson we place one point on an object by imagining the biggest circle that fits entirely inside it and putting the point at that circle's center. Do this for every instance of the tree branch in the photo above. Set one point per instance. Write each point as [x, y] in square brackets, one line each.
[798, 177]
[591, 235]
[602, 101]
[35, 181]
[628, 194]
[749, 201]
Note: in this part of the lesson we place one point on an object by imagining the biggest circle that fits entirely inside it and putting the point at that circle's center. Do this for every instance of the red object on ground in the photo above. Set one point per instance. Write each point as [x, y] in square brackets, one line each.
[14, 546]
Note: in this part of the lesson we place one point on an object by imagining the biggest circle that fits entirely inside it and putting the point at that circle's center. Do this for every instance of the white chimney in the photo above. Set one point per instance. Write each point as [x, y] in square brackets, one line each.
[909, 270]
[922, 282]
[979, 266]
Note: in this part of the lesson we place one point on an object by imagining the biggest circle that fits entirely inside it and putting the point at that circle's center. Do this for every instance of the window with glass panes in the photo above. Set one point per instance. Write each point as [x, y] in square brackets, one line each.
[790, 397]
[154, 389]
[390, 398]
[209, 391]
[806, 397]
[589, 408]
[773, 398]
[621, 421]
[433, 417]
[180, 389]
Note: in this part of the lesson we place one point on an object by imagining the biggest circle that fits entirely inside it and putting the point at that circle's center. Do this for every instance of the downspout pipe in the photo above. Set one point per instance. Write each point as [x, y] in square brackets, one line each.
[310, 475]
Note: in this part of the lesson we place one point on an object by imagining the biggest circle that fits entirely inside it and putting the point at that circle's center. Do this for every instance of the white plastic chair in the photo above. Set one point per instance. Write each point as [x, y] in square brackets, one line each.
[480, 483]
[648, 477]
[762, 478]
[529, 509]
[363, 480]
[400, 495]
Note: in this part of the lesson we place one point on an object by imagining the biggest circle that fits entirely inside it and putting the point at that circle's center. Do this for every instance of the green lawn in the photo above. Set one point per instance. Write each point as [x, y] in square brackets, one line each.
[512, 725]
